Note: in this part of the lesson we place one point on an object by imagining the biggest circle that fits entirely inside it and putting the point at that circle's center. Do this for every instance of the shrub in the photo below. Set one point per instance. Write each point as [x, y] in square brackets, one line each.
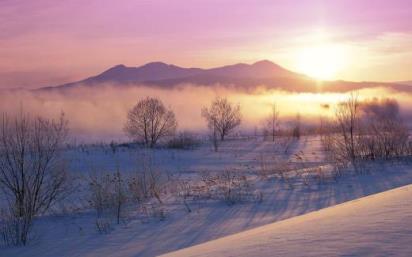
[32, 170]
[108, 195]
[364, 131]
[228, 186]
[183, 141]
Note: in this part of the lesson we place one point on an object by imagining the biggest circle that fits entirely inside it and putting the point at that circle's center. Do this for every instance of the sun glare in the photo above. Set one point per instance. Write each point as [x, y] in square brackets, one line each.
[322, 62]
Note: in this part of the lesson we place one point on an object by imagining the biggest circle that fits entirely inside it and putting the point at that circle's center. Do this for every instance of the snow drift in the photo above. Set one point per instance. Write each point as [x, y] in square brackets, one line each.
[376, 225]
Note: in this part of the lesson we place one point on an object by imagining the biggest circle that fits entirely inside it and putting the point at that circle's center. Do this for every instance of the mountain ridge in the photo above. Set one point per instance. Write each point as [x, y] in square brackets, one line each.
[240, 76]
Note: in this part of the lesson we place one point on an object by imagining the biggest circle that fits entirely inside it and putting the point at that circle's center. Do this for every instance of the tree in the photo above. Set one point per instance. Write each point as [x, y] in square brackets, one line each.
[297, 127]
[386, 133]
[273, 121]
[222, 117]
[347, 118]
[149, 121]
[32, 172]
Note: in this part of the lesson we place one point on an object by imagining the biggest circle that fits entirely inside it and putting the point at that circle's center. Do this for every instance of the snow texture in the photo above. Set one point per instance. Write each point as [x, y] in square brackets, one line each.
[377, 225]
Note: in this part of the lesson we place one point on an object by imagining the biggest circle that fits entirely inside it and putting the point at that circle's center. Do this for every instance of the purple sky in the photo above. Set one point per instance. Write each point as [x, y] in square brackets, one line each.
[46, 42]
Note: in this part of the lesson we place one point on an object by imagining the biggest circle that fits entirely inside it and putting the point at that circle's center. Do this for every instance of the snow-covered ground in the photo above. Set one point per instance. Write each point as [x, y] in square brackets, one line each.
[240, 154]
[74, 233]
[376, 225]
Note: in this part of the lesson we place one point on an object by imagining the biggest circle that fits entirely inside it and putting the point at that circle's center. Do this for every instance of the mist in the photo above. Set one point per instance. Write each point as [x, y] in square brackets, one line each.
[99, 113]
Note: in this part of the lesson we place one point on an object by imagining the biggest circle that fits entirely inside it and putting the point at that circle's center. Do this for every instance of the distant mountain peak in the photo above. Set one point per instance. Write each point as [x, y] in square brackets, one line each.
[116, 67]
[119, 66]
[264, 62]
[156, 64]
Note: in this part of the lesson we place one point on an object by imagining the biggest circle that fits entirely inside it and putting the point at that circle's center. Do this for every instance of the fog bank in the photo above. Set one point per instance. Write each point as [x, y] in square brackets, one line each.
[99, 113]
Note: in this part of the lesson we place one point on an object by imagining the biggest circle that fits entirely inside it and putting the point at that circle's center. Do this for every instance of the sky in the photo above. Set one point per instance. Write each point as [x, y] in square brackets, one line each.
[48, 42]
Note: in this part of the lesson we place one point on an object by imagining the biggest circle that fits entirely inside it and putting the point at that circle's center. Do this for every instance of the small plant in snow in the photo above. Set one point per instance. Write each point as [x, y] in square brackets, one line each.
[108, 196]
[229, 186]
[103, 226]
[185, 191]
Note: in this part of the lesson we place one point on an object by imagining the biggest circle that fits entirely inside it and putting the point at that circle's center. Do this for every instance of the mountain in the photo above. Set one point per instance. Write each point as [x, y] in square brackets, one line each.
[409, 83]
[240, 76]
[162, 74]
[150, 72]
[261, 69]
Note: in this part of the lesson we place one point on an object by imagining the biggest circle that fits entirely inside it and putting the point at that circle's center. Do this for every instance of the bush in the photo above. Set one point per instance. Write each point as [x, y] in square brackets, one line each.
[33, 176]
[147, 182]
[229, 186]
[108, 195]
[365, 131]
[145, 185]
[103, 226]
[183, 141]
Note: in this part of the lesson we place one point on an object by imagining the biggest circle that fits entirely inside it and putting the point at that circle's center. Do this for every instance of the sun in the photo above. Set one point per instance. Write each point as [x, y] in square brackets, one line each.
[323, 61]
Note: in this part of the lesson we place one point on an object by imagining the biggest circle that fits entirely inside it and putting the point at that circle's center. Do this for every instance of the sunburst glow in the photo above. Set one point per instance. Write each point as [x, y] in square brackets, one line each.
[322, 62]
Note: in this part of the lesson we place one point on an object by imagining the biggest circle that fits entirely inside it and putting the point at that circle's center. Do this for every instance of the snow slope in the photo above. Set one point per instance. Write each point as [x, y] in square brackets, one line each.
[75, 234]
[376, 225]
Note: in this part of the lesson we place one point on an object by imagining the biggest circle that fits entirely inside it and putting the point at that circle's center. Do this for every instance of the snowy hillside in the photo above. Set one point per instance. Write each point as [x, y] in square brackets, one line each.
[377, 225]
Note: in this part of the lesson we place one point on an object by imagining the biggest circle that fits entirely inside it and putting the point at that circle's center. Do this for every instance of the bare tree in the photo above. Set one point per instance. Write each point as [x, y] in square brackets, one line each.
[32, 171]
[222, 117]
[368, 130]
[387, 135]
[273, 121]
[347, 118]
[149, 120]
